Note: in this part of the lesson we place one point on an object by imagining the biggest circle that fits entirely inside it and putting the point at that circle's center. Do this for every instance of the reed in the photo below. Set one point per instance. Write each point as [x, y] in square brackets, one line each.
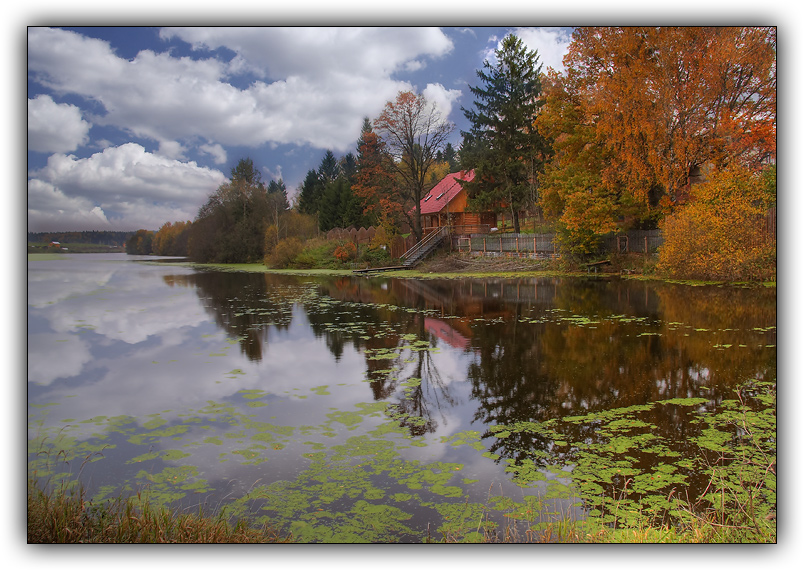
[64, 515]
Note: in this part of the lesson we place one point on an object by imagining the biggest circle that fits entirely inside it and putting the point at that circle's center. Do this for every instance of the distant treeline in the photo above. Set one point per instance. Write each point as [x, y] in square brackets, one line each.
[96, 237]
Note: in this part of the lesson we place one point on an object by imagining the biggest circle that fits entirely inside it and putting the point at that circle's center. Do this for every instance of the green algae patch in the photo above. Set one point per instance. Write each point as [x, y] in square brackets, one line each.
[157, 434]
[685, 401]
[252, 394]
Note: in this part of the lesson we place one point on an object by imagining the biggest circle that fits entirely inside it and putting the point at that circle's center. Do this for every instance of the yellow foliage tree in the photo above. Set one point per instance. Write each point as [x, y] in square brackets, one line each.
[723, 232]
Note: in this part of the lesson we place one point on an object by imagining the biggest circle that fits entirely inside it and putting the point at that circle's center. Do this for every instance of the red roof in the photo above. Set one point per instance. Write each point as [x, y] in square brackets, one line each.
[441, 194]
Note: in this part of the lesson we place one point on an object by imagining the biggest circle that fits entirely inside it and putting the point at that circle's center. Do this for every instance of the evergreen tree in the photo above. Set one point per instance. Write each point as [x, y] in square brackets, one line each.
[310, 192]
[245, 172]
[450, 157]
[503, 146]
[278, 193]
[328, 169]
[348, 165]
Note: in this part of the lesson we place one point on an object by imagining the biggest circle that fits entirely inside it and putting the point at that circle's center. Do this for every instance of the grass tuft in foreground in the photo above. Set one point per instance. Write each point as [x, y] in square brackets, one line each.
[62, 516]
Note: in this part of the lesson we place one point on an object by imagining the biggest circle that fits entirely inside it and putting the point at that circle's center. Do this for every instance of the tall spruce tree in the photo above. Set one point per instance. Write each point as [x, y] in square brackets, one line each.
[310, 192]
[502, 145]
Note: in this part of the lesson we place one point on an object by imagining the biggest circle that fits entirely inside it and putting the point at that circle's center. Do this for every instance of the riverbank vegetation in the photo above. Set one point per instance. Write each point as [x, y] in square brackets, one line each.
[598, 153]
[67, 516]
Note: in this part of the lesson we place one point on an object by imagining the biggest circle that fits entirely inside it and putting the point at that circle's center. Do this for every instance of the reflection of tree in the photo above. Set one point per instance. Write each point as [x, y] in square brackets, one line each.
[239, 305]
[366, 321]
[510, 384]
[419, 403]
[614, 344]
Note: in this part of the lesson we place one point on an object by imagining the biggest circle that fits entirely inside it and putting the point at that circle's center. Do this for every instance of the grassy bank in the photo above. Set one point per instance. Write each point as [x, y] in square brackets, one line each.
[456, 265]
[61, 516]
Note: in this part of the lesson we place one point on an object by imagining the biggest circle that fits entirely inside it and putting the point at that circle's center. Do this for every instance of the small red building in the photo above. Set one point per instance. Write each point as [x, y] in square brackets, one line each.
[446, 205]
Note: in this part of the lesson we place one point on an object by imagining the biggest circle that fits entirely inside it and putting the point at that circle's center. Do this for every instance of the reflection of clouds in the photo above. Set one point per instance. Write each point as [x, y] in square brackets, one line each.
[56, 280]
[194, 367]
[121, 301]
[55, 357]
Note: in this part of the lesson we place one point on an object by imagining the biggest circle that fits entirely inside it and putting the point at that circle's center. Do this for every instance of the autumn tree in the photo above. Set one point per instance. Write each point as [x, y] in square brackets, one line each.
[140, 243]
[669, 100]
[504, 147]
[412, 130]
[572, 191]
[230, 226]
[722, 232]
[171, 239]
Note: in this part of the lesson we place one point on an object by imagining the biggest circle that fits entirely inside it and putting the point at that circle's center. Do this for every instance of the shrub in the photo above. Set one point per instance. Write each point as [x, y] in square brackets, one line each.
[346, 252]
[375, 257]
[285, 253]
[721, 233]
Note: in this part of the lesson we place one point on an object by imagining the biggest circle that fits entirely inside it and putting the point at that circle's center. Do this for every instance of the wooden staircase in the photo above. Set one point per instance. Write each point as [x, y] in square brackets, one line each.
[424, 248]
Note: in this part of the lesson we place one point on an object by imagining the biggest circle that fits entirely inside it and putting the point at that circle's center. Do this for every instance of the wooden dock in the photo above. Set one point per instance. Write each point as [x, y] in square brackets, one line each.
[381, 269]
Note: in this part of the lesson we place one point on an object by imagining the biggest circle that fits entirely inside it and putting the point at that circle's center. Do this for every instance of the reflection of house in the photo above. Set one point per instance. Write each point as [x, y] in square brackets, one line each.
[446, 205]
[446, 333]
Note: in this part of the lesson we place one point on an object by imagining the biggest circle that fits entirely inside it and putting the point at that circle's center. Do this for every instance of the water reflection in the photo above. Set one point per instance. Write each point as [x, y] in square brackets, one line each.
[118, 339]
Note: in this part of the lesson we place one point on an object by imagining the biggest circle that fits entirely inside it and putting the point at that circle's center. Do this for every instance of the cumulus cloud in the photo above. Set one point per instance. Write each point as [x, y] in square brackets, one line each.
[122, 188]
[319, 82]
[54, 127]
[216, 151]
[172, 149]
[551, 45]
[443, 98]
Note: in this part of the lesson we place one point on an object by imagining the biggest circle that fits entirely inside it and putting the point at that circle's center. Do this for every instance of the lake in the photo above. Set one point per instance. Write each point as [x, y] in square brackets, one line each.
[354, 409]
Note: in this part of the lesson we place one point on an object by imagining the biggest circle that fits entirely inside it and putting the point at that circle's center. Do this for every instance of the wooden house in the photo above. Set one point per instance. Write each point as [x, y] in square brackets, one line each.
[446, 205]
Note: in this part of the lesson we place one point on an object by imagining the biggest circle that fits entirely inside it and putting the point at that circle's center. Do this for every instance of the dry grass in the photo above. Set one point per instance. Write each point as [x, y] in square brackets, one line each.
[61, 516]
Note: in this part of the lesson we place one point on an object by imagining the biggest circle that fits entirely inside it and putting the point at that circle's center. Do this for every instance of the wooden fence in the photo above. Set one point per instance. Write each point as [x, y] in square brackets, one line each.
[516, 245]
[547, 245]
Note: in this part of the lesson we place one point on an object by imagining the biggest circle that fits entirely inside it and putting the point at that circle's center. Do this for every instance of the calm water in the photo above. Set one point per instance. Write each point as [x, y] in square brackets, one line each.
[352, 409]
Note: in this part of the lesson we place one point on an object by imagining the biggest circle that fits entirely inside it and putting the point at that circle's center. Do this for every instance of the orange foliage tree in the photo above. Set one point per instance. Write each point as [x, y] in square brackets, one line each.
[412, 130]
[669, 100]
[641, 111]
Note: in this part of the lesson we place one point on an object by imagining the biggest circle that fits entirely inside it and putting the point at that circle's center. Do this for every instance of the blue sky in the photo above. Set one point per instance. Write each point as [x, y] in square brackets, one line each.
[132, 127]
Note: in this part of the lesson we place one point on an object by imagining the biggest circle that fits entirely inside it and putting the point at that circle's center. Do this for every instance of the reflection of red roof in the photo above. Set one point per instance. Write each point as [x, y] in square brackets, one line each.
[441, 194]
[447, 333]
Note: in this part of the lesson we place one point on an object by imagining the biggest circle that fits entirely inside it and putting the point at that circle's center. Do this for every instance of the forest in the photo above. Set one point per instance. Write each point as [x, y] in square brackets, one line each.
[648, 127]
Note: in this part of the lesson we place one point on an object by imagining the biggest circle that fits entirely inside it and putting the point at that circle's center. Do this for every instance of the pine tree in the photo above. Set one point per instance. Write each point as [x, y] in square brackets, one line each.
[310, 193]
[503, 146]
[328, 169]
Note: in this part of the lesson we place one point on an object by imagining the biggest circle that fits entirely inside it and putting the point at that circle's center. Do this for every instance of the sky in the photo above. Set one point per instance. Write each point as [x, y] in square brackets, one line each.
[133, 127]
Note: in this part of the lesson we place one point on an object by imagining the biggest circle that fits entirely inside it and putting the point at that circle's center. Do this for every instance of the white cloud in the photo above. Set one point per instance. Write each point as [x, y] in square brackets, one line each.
[67, 356]
[551, 45]
[172, 149]
[216, 151]
[124, 186]
[320, 82]
[442, 97]
[54, 127]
